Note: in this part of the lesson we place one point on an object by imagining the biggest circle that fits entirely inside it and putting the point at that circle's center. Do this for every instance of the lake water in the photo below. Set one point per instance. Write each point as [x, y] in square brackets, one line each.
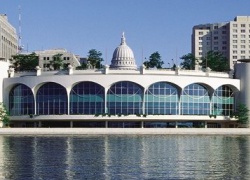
[114, 157]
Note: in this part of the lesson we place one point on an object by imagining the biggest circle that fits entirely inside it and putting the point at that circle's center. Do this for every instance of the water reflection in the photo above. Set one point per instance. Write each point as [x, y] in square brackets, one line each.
[124, 157]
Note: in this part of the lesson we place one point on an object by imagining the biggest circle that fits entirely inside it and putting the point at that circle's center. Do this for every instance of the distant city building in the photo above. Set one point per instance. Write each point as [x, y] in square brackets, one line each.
[8, 39]
[230, 38]
[46, 56]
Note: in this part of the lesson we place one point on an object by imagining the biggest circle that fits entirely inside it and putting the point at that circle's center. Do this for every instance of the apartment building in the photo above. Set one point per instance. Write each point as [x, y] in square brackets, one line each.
[8, 39]
[231, 38]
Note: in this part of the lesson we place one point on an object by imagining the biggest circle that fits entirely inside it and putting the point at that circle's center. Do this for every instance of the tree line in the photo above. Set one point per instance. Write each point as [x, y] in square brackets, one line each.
[214, 60]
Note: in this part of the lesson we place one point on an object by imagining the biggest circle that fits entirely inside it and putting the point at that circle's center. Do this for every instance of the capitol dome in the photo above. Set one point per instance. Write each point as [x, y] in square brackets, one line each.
[123, 56]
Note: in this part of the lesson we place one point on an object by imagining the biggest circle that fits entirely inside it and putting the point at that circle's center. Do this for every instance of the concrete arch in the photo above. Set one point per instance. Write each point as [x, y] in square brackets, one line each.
[44, 107]
[127, 81]
[30, 109]
[76, 83]
[179, 90]
[208, 87]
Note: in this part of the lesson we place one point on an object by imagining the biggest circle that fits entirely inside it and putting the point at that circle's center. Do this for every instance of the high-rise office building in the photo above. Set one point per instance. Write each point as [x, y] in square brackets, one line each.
[8, 39]
[230, 38]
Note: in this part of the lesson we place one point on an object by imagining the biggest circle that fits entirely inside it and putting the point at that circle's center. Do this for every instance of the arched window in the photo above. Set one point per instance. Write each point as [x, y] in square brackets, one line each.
[125, 98]
[52, 99]
[195, 100]
[87, 98]
[223, 101]
[21, 100]
[161, 98]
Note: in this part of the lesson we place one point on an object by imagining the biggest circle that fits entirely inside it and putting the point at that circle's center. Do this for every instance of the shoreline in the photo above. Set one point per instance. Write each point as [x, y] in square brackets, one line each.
[124, 131]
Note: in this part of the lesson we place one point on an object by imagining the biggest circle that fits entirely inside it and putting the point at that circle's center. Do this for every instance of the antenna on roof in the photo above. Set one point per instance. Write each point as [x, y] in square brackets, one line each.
[20, 47]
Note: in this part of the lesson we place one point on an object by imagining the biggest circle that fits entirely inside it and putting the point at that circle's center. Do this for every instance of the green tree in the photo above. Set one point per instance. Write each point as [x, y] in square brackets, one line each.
[95, 58]
[242, 114]
[189, 61]
[25, 62]
[4, 115]
[154, 61]
[57, 62]
[216, 61]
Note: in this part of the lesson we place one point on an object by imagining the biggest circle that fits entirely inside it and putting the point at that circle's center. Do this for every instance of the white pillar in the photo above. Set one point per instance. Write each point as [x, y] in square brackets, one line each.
[11, 72]
[142, 124]
[70, 68]
[38, 71]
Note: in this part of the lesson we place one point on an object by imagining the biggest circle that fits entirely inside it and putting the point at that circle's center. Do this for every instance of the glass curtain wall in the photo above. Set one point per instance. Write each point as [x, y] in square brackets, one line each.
[21, 100]
[195, 100]
[52, 99]
[223, 101]
[161, 98]
[125, 98]
[87, 98]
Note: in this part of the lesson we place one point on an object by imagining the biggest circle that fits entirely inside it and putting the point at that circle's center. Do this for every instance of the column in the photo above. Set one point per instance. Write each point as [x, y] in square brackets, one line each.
[142, 124]
[205, 124]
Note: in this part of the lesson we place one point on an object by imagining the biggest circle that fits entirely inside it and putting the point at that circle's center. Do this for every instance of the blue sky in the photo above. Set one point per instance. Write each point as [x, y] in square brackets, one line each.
[149, 25]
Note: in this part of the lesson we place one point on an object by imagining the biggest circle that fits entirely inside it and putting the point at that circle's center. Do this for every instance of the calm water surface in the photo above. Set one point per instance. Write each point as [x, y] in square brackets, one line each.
[124, 157]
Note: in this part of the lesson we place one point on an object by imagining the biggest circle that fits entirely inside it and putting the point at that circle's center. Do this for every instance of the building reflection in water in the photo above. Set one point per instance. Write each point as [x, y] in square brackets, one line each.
[124, 157]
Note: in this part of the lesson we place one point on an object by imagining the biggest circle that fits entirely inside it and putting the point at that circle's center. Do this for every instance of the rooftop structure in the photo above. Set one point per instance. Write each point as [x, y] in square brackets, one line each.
[46, 56]
[123, 56]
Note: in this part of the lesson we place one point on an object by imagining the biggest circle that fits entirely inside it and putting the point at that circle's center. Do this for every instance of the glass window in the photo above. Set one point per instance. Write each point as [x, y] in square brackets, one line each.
[195, 100]
[125, 98]
[161, 98]
[21, 100]
[87, 98]
[223, 101]
[52, 99]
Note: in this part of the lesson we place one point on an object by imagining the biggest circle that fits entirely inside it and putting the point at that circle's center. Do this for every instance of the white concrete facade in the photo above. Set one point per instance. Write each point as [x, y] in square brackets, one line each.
[8, 38]
[106, 78]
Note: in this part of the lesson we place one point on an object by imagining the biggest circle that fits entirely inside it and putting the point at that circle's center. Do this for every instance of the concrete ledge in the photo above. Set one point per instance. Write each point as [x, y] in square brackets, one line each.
[124, 131]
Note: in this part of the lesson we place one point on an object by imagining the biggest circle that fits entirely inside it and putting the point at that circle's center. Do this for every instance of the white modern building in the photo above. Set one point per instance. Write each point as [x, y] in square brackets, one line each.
[8, 39]
[231, 38]
[124, 95]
